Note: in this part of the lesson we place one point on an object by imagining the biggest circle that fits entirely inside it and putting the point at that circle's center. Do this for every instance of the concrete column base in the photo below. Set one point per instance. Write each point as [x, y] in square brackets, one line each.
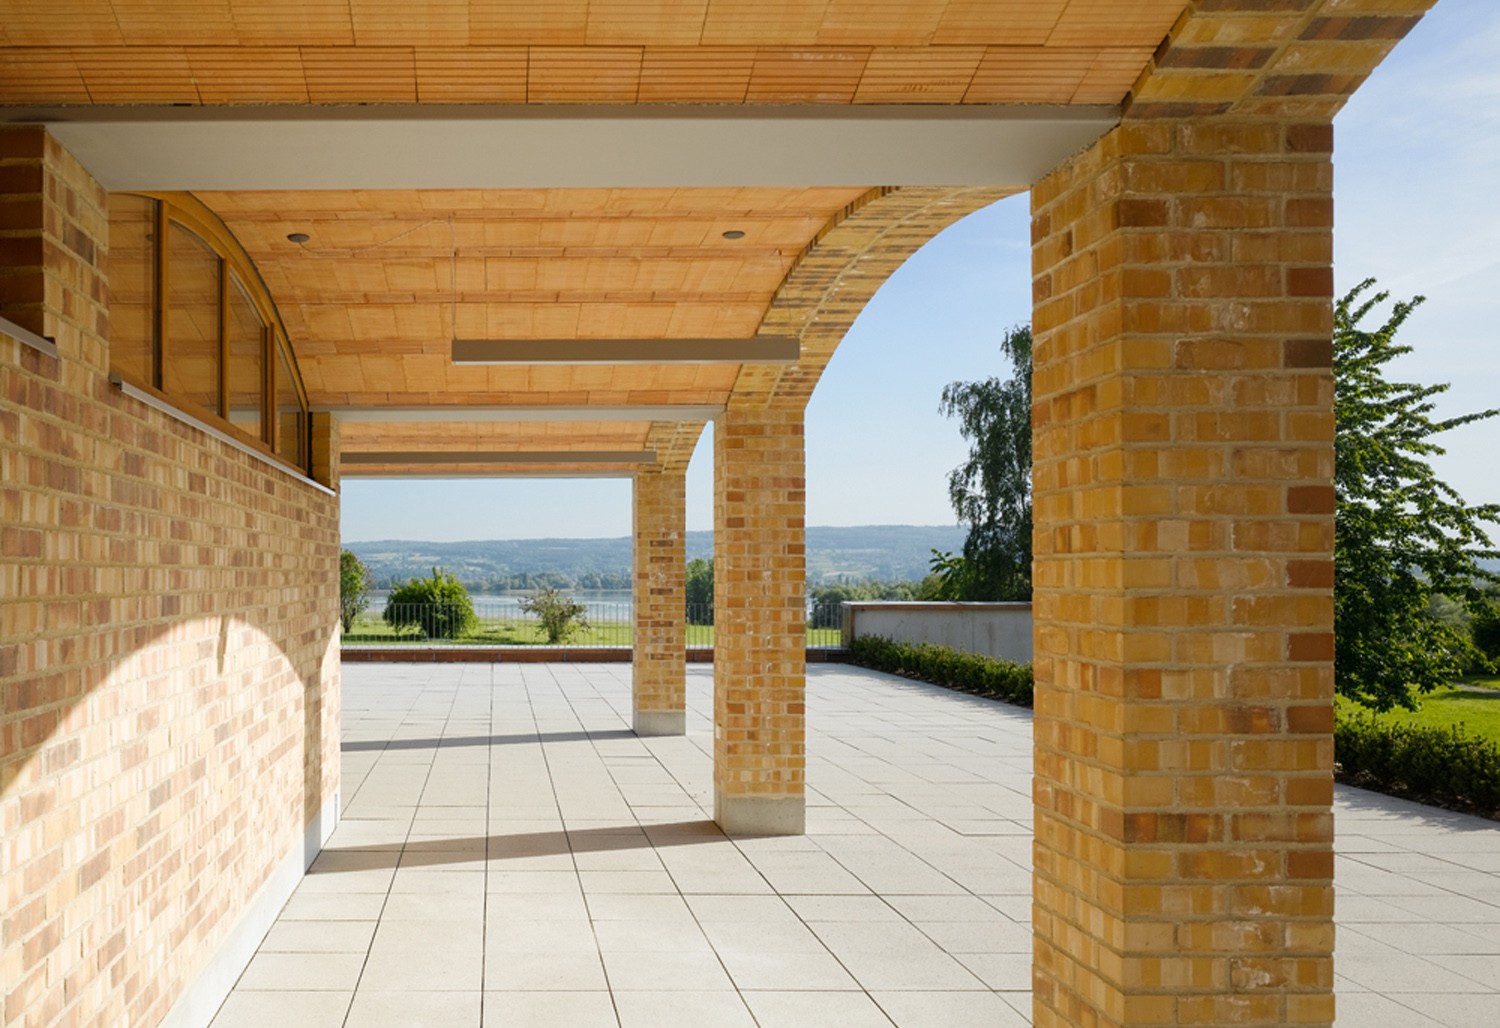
[660, 722]
[760, 815]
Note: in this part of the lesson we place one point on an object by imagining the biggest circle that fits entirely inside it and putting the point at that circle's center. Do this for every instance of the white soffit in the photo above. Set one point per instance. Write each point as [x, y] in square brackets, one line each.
[520, 147]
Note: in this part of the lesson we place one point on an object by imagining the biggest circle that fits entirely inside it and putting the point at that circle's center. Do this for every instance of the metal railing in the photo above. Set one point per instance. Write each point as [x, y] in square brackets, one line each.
[502, 621]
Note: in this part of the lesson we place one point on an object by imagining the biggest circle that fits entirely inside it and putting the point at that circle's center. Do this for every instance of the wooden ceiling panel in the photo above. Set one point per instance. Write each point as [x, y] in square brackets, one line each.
[292, 23]
[36, 23]
[643, 22]
[1029, 74]
[584, 75]
[806, 76]
[410, 22]
[144, 75]
[1027, 23]
[495, 75]
[908, 74]
[366, 437]
[224, 73]
[880, 22]
[1108, 23]
[763, 23]
[50, 77]
[692, 74]
[530, 22]
[363, 74]
[173, 22]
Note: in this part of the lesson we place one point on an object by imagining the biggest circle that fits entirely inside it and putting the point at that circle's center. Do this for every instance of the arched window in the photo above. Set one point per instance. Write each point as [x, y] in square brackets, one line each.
[192, 322]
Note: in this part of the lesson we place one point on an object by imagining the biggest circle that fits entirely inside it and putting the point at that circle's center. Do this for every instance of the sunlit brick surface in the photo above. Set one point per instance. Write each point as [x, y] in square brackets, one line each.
[1184, 511]
[168, 662]
[660, 523]
[759, 615]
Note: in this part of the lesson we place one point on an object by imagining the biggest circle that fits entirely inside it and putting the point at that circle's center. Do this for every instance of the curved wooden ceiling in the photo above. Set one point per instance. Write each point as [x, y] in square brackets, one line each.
[388, 277]
[578, 51]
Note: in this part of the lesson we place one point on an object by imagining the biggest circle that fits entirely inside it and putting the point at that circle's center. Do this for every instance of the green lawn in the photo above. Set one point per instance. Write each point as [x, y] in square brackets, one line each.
[1473, 703]
[369, 628]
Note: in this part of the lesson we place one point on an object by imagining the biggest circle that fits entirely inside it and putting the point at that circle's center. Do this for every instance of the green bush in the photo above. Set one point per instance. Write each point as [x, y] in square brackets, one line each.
[438, 606]
[558, 613]
[971, 672]
[1445, 766]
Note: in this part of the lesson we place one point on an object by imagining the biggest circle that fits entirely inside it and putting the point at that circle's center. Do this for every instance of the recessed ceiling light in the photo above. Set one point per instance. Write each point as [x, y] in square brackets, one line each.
[734, 233]
[298, 237]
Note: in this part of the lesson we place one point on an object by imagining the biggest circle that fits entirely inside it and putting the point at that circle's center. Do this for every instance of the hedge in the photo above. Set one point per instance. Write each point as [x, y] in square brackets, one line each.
[1445, 767]
[940, 665]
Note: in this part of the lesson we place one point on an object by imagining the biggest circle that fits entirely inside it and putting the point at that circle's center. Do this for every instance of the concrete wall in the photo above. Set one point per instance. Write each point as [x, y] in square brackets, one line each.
[169, 670]
[993, 629]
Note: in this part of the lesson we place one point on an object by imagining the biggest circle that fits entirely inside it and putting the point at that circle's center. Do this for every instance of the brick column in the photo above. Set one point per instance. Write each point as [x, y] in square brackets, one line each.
[760, 640]
[1184, 530]
[659, 663]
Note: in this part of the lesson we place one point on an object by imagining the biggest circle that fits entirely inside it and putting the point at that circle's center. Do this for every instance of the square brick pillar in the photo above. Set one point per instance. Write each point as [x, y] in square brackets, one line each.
[1183, 434]
[658, 670]
[760, 615]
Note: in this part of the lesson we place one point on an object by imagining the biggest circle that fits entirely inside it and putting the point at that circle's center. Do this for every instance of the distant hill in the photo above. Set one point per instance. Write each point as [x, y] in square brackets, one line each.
[885, 552]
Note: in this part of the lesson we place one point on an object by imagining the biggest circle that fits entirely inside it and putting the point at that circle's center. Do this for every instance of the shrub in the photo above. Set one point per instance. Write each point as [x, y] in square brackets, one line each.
[560, 615]
[354, 588]
[1444, 766]
[438, 606]
[940, 665]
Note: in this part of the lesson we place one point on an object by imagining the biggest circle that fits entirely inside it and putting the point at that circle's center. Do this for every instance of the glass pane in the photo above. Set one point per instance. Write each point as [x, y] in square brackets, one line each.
[290, 422]
[132, 286]
[191, 350]
[247, 355]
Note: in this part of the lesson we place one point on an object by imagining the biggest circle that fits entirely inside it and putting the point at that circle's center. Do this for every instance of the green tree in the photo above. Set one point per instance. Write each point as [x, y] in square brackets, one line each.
[1403, 536]
[991, 490]
[354, 588]
[559, 614]
[700, 591]
[438, 605]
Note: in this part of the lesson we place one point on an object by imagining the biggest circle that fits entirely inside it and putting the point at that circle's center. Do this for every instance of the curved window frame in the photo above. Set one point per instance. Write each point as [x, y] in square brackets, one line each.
[188, 213]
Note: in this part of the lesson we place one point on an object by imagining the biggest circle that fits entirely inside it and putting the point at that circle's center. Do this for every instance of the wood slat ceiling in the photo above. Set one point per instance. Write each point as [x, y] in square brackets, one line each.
[388, 278]
[578, 51]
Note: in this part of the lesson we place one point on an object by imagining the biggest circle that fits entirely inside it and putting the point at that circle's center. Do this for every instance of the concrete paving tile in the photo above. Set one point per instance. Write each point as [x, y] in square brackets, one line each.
[682, 1009]
[385, 1009]
[665, 971]
[543, 972]
[823, 1009]
[303, 972]
[285, 1009]
[532, 831]
[289, 936]
[549, 1010]
[948, 1010]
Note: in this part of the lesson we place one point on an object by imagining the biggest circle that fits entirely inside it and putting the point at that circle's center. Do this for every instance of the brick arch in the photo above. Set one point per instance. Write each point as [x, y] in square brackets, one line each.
[1299, 58]
[838, 274]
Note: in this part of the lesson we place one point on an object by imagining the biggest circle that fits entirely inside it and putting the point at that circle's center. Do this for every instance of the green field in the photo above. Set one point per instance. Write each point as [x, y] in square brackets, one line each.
[1473, 703]
[368, 628]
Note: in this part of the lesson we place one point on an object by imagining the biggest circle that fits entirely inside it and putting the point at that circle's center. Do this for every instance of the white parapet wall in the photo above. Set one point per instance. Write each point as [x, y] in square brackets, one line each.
[993, 629]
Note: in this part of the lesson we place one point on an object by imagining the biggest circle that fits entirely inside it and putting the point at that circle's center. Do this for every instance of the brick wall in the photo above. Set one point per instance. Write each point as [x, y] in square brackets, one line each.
[760, 641]
[1184, 529]
[168, 653]
[659, 664]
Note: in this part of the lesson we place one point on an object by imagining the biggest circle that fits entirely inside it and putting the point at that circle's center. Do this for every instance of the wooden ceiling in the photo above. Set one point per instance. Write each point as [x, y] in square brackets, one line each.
[578, 51]
[388, 277]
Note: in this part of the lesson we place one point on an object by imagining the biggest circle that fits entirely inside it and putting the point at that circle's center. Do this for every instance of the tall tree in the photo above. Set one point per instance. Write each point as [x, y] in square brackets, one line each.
[354, 588]
[991, 490]
[1403, 536]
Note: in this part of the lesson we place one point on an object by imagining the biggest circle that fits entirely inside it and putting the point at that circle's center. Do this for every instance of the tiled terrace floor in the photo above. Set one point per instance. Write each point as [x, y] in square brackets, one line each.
[512, 855]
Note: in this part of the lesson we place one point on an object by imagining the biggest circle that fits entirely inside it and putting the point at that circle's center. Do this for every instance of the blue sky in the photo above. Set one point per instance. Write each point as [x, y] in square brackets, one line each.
[1416, 164]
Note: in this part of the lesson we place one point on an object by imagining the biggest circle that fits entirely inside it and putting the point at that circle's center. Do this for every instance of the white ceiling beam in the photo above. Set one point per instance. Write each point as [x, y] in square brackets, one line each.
[559, 146]
[445, 414]
[752, 350]
[471, 457]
